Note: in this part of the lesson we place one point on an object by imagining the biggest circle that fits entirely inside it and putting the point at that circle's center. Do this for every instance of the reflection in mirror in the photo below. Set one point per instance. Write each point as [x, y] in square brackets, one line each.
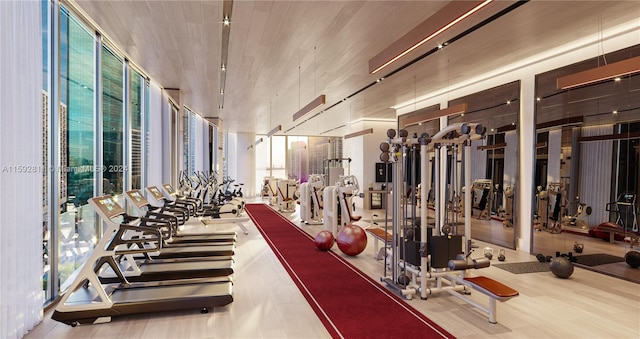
[417, 123]
[587, 168]
[494, 161]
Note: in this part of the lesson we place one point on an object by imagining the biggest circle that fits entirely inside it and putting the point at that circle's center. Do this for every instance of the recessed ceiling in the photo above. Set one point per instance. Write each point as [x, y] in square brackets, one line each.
[284, 54]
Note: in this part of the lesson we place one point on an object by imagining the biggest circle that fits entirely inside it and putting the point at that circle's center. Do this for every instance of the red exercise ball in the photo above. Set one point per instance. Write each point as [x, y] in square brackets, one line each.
[352, 240]
[324, 240]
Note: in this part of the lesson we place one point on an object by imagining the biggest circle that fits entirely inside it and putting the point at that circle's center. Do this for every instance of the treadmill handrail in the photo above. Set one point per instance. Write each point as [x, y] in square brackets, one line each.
[153, 236]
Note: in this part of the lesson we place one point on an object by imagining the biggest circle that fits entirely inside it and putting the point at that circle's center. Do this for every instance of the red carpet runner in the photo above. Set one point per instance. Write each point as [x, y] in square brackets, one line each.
[349, 303]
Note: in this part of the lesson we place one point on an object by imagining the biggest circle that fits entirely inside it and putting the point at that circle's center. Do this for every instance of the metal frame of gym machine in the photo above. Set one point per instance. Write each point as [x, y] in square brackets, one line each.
[400, 144]
[451, 280]
[311, 200]
[90, 301]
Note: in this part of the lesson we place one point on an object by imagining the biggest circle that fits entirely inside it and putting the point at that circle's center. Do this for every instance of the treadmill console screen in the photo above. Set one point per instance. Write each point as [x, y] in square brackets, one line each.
[137, 198]
[169, 189]
[108, 203]
[108, 207]
[156, 193]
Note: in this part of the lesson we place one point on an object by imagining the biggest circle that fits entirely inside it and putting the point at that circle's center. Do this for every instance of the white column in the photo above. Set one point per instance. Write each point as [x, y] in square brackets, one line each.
[527, 146]
[245, 160]
[442, 182]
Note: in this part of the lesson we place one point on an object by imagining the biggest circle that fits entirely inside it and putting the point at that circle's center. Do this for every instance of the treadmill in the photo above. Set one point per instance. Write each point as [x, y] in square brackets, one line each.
[172, 251]
[89, 301]
[144, 207]
[180, 235]
[155, 270]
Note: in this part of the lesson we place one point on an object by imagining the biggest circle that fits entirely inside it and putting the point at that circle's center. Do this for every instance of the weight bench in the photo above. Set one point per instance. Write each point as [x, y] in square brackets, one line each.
[379, 235]
[489, 287]
[634, 238]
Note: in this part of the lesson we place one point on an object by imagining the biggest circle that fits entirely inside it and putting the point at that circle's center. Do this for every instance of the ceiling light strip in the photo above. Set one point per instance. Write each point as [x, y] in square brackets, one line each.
[571, 121]
[317, 102]
[490, 147]
[274, 131]
[418, 116]
[357, 134]
[598, 74]
[447, 17]
[372, 120]
[227, 8]
[484, 22]
[457, 109]
[333, 129]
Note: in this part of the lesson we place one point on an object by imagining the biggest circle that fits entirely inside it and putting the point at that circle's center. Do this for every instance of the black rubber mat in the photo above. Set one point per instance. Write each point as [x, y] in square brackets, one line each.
[597, 259]
[524, 267]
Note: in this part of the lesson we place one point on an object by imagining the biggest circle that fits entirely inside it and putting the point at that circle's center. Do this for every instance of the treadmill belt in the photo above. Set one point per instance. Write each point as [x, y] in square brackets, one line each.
[194, 251]
[197, 238]
[158, 298]
[153, 271]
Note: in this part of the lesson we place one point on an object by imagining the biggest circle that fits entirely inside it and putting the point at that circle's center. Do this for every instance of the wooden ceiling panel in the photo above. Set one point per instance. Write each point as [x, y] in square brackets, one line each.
[178, 43]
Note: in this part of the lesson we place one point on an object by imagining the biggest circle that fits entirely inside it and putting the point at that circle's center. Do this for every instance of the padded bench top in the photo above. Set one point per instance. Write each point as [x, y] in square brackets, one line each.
[493, 287]
[380, 233]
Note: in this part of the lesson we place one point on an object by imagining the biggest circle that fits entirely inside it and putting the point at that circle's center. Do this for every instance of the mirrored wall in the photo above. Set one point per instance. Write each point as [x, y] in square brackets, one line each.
[416, 123]
[587, 175]
[493, 161]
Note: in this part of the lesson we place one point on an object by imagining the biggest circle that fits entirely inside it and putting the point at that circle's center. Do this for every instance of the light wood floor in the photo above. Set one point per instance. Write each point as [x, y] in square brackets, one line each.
[268, 305]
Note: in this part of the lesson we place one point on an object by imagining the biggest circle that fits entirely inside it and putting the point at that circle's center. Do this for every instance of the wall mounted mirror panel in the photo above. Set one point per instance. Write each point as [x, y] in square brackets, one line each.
[416, 123]
[587, 175]
[494, 162]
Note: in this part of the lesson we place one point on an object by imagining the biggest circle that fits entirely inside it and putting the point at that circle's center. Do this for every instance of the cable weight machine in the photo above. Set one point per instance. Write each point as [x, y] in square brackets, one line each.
[431, 274]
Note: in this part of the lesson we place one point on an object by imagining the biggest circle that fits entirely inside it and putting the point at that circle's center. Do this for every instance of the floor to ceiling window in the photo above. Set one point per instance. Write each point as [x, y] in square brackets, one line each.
[45, 6]
[112, 123]
[84, 79]
[76, 225]
[137, 98]
[263, 156]
[189, 141]
[278, 157]
[173, 142]
[298, 159]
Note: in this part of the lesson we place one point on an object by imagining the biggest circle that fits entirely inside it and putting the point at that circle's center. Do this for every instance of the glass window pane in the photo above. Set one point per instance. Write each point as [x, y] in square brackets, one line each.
[112, 123]
[136, 96]
[262, 164]
[77, 226]
[279, 158]
[46, 245]
[189, 141]
[44, 24]
[298, 160]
